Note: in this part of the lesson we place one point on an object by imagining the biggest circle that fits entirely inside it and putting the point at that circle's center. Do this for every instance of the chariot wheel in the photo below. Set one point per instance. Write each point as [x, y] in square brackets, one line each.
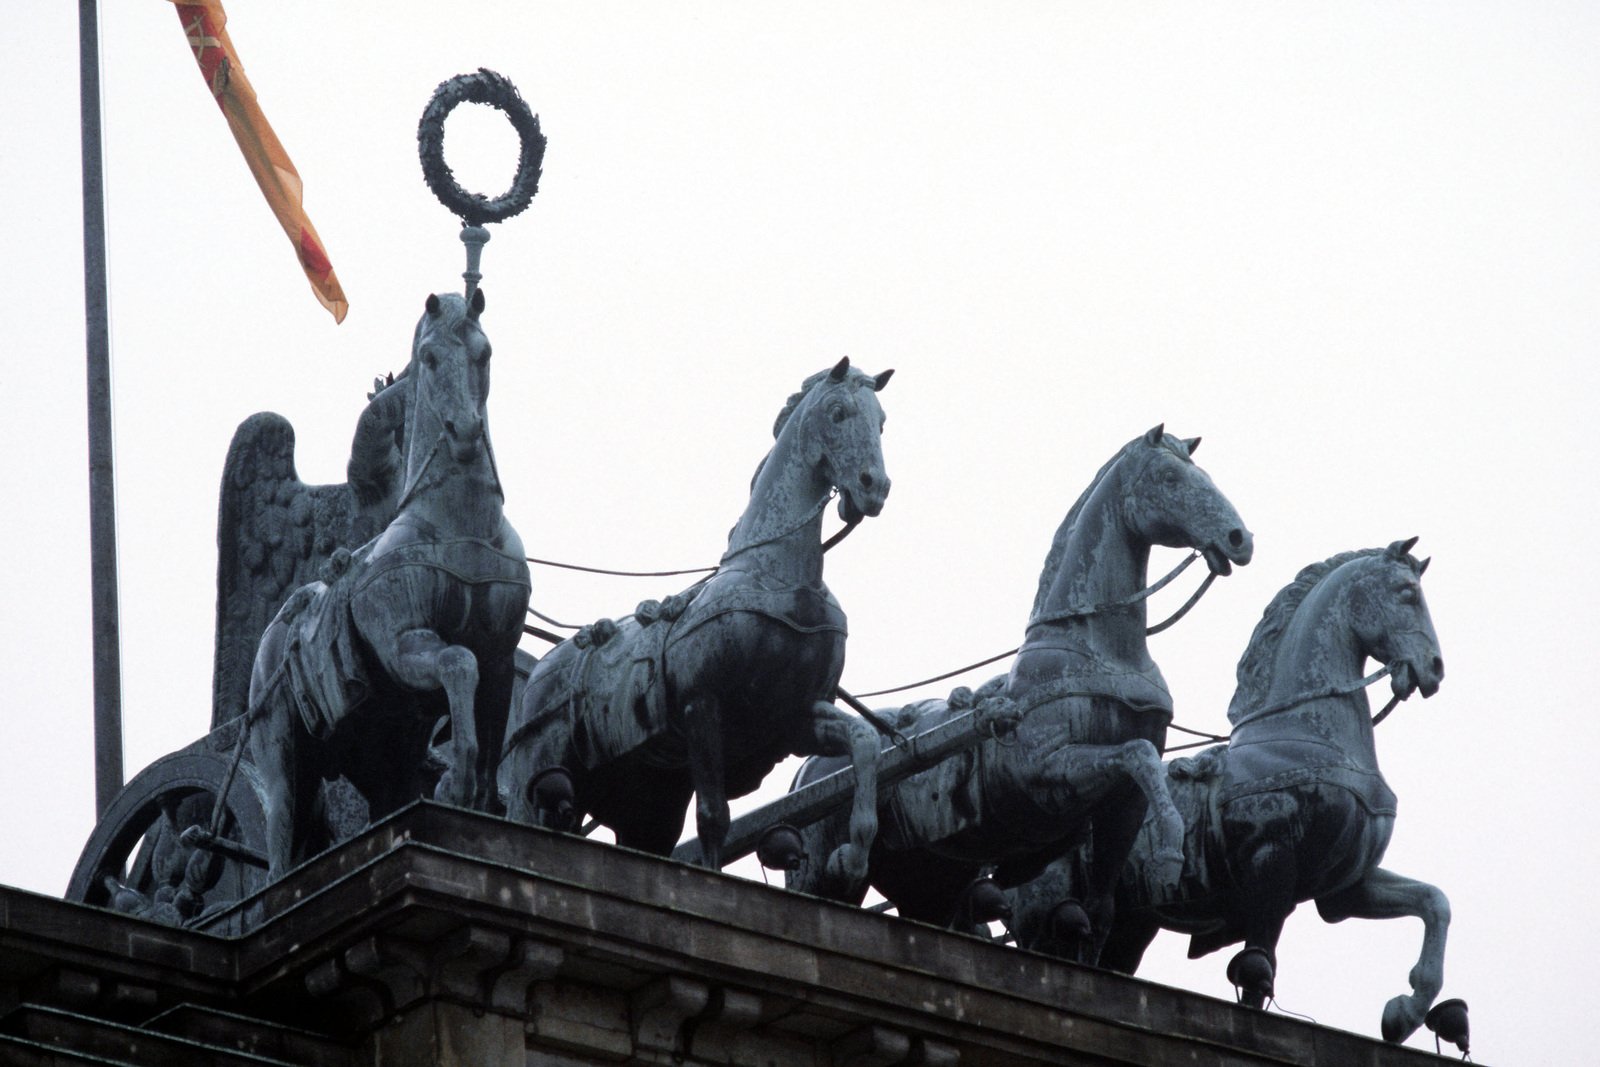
[152, 853]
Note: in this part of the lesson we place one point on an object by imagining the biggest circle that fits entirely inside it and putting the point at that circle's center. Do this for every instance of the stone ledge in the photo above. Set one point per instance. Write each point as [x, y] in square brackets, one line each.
[441, 929]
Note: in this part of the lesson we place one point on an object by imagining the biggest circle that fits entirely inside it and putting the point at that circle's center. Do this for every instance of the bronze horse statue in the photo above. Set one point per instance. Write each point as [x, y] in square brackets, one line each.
[705, 692]
[1293, 807]
[354, 672]
[1090, 705]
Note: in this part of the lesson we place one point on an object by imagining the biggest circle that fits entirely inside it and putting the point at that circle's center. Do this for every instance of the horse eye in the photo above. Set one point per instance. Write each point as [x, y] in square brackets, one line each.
[483, 357]
[838, 414]
[430, 358]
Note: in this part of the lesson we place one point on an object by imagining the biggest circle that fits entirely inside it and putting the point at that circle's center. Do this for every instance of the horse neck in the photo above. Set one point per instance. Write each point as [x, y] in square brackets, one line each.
[1103, 561]
[452, 496]
[1313, 657]
[780, 532]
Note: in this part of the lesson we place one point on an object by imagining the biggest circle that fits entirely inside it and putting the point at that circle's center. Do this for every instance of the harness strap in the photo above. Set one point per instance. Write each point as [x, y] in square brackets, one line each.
[1181, 612]
[1336, 691]
[813, 513]
[1128, 601]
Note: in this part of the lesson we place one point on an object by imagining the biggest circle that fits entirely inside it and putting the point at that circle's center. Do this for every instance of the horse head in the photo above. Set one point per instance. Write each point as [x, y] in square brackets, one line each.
[1170, 501]
[841, 422]
[450, 379]
[1391, 620]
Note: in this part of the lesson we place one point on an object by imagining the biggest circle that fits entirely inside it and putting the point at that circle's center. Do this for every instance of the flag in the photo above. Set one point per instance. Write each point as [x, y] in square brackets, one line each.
[204, 23]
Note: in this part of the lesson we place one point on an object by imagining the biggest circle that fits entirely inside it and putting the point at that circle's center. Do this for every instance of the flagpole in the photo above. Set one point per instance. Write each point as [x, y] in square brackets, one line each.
[102, 495]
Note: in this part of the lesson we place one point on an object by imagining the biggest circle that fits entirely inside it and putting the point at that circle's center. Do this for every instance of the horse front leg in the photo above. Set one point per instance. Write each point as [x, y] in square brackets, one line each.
[708, 770]
[1385, 895]
[424, 662]
[491, 709]
[1090, 771]
[831, 732]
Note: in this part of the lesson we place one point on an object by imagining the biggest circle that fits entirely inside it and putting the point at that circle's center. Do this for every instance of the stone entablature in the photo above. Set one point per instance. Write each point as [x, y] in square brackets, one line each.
[446, 937]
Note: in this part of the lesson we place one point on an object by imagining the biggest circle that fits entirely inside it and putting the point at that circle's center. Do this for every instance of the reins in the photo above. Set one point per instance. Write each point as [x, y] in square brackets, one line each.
[1077, 613]
[709, 572]
[780, 535]
[1335, 691]
[1254, 716]
[855, 700]
[1129, 601]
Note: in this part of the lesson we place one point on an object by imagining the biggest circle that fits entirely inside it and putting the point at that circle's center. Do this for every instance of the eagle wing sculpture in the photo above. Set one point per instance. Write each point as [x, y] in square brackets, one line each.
[275, 533]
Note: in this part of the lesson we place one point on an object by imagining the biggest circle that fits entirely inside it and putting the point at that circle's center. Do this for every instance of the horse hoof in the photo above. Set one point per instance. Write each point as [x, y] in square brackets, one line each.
[1251, 973]
[847, 867]
[1400, 1019]
[553, 797]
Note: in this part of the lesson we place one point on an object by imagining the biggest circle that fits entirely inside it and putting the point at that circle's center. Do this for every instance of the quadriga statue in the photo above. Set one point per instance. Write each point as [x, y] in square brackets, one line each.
[705, 692]
[1293, 807]
[1089, 705]
[421, 622]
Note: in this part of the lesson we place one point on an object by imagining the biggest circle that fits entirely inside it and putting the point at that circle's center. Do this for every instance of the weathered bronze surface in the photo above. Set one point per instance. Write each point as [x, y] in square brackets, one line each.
[1293, 807]
[274, 534]
[1090, 704]
[354, 673]
[705, 692]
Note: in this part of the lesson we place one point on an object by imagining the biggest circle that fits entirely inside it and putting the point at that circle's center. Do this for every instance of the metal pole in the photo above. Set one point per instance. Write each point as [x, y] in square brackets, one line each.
[102, 495]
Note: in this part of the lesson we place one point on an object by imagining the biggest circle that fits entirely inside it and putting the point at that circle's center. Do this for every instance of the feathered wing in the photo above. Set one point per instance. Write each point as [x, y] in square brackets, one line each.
[275, 532]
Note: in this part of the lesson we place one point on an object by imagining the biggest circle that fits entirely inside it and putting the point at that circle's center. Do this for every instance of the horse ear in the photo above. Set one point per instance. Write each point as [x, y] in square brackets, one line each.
[881, 380]
[839, 370]
[1192, 444]
[476, 307]
[1400, 549]
[433, 305]
[1422, 568]
[1157, 432]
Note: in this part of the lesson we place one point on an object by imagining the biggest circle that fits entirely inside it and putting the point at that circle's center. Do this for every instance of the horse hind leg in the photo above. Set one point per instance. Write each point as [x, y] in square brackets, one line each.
[1385, 895]
[1048, 916]
[708, 771]
[491, 708]
[424, 662]
[272, 751]
[288, 781]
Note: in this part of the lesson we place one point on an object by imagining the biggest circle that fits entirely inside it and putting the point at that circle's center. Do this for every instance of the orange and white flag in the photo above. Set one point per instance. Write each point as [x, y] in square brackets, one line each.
[204, 23]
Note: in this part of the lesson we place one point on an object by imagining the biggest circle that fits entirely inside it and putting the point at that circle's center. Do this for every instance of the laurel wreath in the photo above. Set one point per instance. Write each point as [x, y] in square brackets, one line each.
[496, 90]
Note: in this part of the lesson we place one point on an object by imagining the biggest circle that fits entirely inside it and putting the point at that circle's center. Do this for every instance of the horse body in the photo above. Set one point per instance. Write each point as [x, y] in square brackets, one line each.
[1294, 807]
[422, 621]
[707, 691]
[1092, 707]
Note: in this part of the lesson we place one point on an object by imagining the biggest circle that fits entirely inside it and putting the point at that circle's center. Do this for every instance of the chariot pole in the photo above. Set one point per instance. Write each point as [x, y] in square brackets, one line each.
[102, 497]
[821, 798]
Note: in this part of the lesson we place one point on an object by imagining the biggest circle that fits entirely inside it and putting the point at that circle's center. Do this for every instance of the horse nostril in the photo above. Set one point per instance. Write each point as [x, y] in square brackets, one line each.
[866, 480]
[450, 428]
[1438, 667]
[1236, 538]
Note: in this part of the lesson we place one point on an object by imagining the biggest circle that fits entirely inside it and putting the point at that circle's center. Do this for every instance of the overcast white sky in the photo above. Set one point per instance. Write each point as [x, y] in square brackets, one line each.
[1355, 246]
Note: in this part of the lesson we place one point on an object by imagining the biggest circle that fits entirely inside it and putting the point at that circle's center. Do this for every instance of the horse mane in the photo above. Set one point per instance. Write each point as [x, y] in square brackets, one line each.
[1058, 546]
[1255, 666]
[792, 405]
